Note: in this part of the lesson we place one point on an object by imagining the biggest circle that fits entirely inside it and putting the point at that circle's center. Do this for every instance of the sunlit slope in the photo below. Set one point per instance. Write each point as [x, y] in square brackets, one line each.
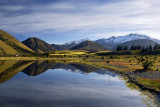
[11, 46]
[6, 49]
[11, 68]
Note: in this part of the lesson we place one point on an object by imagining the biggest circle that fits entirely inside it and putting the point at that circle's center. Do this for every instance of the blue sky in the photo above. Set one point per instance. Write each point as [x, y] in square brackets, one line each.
[60, 21]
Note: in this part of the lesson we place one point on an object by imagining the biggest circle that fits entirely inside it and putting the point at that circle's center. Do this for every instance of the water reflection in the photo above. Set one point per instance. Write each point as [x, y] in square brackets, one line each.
[41, 66]
[65, 85]
[38, 68]
[10, 68]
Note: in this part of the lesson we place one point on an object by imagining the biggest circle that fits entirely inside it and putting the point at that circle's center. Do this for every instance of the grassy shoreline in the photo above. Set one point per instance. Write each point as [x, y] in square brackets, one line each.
[28, 58]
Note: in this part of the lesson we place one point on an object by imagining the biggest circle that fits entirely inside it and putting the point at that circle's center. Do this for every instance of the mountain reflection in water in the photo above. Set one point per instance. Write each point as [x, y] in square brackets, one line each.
[42, 66]
[64, 85]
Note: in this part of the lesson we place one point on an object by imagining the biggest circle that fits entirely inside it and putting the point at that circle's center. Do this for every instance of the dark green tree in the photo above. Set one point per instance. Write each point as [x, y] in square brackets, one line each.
[155, 47]
[132, 47]
[147, 49]
[119, 48]
[143, 49]
[150, 48]
[139, 47]
[135, 48]
[125, 48]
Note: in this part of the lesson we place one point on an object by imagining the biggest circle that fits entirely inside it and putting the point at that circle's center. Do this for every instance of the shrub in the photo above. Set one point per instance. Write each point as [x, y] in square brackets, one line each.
[108, 61]
[146, 62]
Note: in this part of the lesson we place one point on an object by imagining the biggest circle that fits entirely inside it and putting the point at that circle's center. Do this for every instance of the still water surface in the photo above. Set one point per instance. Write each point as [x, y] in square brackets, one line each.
[44, 84]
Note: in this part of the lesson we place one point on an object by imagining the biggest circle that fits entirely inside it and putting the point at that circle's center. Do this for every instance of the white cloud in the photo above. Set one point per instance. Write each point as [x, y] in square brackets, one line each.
[122, 17]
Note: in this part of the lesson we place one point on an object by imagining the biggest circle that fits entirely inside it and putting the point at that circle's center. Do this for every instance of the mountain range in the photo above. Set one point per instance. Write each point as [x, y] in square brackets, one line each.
[68, 45]
[10, 46]
[112, 42]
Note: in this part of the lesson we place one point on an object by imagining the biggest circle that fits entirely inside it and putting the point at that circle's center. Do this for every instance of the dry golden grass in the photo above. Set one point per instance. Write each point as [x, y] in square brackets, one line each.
[12, 41]
[6, 49]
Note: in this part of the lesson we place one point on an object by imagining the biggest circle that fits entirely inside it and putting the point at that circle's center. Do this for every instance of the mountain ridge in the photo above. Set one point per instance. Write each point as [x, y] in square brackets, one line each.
[112, 41]
[38, 45]
[89, 46]
[129, 37]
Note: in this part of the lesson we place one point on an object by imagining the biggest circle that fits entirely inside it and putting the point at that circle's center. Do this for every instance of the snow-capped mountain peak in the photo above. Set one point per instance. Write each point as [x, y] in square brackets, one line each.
[122, 39]
[76, 42]
[113, 41]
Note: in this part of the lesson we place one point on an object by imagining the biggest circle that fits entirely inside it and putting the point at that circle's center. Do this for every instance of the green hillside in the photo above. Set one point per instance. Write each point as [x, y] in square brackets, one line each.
[11, 46]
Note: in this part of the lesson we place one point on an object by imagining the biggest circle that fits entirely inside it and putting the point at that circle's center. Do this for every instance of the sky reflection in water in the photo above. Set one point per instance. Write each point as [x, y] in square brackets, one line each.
[61, 88]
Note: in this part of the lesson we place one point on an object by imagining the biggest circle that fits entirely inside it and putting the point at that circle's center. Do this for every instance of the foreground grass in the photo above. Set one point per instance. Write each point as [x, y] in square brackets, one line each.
[153, 83]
